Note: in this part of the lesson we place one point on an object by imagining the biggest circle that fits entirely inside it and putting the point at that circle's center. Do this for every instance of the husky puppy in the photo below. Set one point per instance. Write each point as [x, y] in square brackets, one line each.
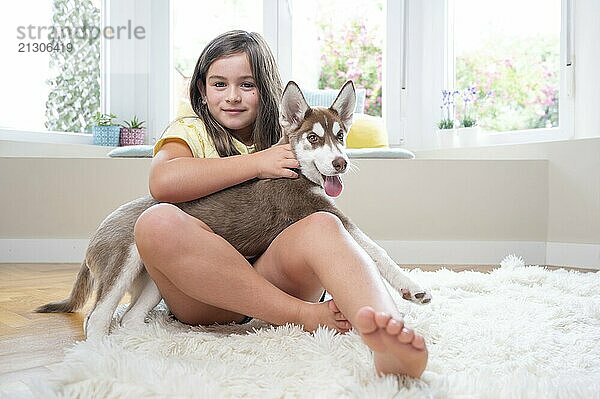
[249, 216]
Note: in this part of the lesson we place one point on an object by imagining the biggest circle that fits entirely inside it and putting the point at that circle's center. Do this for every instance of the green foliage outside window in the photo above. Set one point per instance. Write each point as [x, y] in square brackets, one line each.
[350, 51]
[513, 84]
[74, 95]
[514, 92]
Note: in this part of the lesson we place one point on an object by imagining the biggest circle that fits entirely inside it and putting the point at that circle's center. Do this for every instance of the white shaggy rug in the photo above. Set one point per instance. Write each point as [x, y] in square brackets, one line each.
[518, 332]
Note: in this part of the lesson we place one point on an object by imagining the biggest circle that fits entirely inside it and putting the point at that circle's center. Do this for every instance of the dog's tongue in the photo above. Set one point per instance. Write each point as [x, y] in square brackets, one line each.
[333, 185]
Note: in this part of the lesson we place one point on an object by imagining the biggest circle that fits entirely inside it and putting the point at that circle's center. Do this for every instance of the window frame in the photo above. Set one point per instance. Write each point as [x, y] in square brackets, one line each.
[140, 85]
[130, 85]
[430, 20]
[411, 82]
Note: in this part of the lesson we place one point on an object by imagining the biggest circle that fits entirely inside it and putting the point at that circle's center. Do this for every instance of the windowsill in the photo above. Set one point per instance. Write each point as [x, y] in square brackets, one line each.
[45, 136]
[21, 143]
[490, 139]
[79, 145]
[510, 150]
[523, 137]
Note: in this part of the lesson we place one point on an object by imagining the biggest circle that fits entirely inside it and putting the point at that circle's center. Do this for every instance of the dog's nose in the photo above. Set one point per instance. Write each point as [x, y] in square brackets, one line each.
[339, 164]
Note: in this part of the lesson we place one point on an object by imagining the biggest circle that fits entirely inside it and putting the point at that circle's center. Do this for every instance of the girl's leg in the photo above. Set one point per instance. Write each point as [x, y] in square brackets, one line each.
[204, 280]
[318, 251]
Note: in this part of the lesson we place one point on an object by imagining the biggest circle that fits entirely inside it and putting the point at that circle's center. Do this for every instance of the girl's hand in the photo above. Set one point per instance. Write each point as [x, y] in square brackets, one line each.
[274, 162]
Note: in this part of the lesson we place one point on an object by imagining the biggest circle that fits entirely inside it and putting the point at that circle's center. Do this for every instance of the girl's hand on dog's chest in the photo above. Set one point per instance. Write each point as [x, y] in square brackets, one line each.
[275, 162]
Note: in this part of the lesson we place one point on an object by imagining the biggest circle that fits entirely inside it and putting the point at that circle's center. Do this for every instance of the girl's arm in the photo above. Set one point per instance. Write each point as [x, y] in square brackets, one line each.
[176, 176]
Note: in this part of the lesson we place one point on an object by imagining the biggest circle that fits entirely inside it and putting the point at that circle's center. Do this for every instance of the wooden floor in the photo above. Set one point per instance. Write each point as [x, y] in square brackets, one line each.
[31, 344]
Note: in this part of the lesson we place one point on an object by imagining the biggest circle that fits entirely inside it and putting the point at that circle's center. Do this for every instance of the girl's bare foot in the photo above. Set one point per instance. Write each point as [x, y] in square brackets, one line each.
[398, 350]
[339, 316]
[327, 314]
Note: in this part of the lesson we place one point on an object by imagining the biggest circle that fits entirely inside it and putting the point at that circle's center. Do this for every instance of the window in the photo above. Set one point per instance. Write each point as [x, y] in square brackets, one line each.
[315, 49]
[519, 81]
[506, 63]
[512, 55]
[342, 41]
[51, 69]
[194, 25]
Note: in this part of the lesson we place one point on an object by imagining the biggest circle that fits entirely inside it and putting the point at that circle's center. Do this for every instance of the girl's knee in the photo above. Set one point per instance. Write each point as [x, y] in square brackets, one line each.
[322, 222]
[157, 224]
[156, 218]
[319, 227]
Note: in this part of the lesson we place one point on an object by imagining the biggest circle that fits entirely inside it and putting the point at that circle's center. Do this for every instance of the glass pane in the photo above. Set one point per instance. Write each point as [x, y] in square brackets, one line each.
[195, 23]
[337, 40]
[507, 63]
[50, 66]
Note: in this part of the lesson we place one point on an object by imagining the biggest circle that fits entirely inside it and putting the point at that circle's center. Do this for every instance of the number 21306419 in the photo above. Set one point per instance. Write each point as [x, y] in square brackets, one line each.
[45, 47]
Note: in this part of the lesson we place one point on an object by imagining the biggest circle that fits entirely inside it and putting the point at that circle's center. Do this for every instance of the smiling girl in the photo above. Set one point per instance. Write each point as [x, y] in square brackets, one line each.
[235, 92]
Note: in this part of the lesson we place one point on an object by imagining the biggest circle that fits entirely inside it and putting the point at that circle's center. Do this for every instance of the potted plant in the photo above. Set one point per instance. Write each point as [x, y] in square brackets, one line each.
[469, 131]
[104, 132]
[446, 133]
[133, 132]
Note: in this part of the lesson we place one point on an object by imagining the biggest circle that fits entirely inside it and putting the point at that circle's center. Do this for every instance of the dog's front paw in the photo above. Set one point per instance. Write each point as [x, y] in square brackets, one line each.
[421, 296]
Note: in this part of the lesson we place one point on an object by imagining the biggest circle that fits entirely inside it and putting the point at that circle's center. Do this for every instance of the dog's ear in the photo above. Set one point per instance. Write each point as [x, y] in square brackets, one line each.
[293, 106]
[345, 102]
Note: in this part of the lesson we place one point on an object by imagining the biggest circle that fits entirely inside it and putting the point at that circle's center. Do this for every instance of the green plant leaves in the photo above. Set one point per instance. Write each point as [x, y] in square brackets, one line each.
[74, 94]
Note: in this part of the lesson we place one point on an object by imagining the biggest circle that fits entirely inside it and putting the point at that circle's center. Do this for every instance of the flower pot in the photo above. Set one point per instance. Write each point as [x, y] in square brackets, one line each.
[132, 136]
[446, 138]
[106, 135]
[469, 136]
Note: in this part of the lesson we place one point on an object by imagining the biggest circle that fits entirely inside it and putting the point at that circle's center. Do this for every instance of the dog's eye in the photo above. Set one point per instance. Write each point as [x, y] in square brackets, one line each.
[340, 137]
[312, 138]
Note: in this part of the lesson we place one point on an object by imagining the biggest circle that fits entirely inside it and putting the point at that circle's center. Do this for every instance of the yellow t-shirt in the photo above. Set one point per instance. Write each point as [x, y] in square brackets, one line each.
[193, 132]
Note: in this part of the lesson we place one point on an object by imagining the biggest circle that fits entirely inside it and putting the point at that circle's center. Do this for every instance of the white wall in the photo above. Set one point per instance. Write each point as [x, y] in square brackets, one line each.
[573, 233]
[467, 206]
[54, 192]
[573, 183]
[587, 65]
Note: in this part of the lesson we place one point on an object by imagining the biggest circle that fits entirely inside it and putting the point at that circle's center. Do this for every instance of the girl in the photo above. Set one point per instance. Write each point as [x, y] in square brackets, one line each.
[234, 92]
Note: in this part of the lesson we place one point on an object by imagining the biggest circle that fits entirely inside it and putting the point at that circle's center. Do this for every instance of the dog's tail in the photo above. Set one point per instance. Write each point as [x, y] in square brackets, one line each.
[79, 294]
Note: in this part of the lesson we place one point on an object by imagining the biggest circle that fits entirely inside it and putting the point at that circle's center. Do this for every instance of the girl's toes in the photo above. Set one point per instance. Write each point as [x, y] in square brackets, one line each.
[333, 307]
[365, 320]
[344, 325]
[394, 327]
[340, 317]
[382, 319]
[406, 335]
[418, 342]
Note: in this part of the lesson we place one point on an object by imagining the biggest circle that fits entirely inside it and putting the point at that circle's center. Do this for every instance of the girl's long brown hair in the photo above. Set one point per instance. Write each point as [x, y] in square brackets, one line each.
[267, 130]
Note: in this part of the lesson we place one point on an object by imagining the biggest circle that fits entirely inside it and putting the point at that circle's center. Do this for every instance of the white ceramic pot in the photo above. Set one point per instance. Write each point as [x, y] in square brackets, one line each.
[469, 136]
[446, 138]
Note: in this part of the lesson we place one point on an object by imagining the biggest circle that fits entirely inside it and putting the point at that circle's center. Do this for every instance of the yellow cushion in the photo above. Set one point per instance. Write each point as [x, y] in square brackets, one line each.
[367, 132]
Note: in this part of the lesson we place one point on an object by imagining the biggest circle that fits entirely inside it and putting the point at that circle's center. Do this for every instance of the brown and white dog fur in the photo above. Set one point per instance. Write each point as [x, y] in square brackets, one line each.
[249, 216]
